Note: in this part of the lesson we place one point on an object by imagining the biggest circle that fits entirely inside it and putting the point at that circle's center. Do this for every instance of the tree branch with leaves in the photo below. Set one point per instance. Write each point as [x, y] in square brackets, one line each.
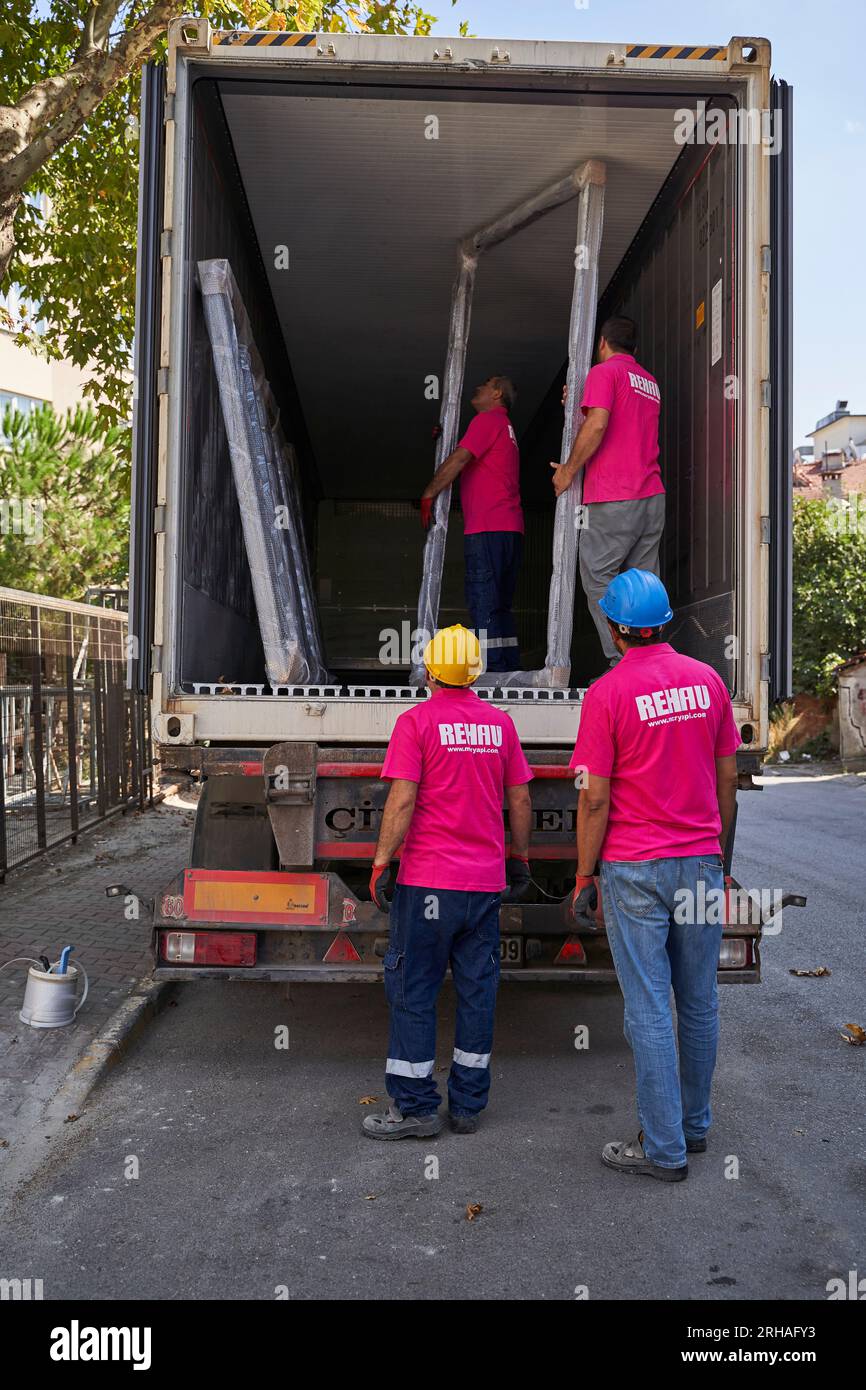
[69, 94]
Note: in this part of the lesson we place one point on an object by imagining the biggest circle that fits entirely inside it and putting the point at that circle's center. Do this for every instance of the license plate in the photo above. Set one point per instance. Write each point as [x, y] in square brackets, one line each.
[511, 950]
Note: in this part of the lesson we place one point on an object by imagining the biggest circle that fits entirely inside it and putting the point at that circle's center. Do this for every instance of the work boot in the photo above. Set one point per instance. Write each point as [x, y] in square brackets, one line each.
[696, 1146]
[463, 1124]
[393, 1124]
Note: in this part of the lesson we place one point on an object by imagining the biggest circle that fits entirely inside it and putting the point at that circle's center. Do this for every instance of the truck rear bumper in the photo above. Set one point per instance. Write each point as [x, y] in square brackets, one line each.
[353, 975]
[372, 974]
[311, 927]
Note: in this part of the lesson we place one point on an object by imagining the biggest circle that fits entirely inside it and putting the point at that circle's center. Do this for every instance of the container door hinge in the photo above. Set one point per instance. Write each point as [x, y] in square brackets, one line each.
[765, 530]
[165, 244]
[162, 381]
[765, 666]
[158, 519]
[766, 396]
[168, 112]
[766, 259]
[156, 659]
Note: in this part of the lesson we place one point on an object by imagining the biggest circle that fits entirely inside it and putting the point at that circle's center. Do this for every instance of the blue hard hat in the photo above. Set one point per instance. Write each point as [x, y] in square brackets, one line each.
[636, 599]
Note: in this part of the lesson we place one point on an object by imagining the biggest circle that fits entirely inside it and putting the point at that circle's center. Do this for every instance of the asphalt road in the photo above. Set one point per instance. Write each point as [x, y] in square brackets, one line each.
[253, 1178]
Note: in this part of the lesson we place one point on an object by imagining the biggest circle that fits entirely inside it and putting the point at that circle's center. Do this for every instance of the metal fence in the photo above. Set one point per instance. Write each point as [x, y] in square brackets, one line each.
[74, 742]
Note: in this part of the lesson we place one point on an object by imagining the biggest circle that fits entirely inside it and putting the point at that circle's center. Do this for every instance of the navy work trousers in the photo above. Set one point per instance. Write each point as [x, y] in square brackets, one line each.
[492, 564]
[432, 928]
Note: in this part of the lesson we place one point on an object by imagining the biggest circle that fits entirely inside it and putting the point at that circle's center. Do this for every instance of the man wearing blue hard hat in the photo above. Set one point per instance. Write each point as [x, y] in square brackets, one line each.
[656, 749]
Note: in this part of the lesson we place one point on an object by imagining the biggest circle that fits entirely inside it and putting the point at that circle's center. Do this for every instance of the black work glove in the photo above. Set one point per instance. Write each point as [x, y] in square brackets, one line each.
[517, 877]
[382, 886]
[584, 898]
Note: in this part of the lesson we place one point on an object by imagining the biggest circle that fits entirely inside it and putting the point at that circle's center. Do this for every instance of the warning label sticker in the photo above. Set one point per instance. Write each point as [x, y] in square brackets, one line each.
[716, 330]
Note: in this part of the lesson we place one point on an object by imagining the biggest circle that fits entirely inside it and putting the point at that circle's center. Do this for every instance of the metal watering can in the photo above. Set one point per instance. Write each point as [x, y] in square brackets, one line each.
[50, 998]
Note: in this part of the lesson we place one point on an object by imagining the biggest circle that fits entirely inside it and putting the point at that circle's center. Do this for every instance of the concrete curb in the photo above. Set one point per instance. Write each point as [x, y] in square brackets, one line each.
[101, 1055]
[104, 1052]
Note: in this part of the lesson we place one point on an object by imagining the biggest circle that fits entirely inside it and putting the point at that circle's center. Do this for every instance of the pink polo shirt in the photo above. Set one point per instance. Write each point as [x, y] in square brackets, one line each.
[490, 483]
[654, 725]
[462, 753]
[626, 463]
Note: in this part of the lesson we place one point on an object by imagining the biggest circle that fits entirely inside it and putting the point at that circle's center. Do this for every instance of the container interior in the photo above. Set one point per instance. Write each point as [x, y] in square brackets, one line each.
[339, 208]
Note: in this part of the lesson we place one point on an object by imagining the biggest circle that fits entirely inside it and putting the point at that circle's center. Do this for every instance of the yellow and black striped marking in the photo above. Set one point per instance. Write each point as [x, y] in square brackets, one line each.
[261, 38]
[666, 50]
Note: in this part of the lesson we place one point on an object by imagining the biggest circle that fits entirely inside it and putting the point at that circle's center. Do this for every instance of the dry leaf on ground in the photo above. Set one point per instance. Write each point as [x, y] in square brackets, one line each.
[818, 970]
[473, 1209]
[854, 1035]
[368, 1100]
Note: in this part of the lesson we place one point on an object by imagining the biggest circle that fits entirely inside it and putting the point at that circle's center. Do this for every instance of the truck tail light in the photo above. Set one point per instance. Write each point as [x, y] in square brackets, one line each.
[734, 953]
[208, 947]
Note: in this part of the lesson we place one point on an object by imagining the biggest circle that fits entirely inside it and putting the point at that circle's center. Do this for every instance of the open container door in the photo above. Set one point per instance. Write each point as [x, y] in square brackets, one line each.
[781, 355]
[145, 404]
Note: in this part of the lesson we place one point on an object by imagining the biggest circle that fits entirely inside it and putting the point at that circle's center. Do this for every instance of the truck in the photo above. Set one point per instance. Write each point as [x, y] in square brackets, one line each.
[325, 182]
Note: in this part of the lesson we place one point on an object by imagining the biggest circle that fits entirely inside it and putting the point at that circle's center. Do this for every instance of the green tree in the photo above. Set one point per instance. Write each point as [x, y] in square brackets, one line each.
[64, 502]
[69, 92]
[829, 588]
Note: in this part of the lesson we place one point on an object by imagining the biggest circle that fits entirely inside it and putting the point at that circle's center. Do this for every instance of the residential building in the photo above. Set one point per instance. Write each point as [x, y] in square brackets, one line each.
[834, 463]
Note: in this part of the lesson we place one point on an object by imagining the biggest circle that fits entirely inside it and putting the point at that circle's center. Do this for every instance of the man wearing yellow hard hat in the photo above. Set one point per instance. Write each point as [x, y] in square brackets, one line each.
[451, 761]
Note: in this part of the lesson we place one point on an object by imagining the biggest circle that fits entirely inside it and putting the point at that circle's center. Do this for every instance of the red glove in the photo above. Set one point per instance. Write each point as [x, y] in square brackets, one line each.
[381, 881]
[426, 511]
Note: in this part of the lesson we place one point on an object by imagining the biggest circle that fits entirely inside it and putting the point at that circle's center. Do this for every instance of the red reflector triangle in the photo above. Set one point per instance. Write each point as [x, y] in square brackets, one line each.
[572, 951]
[341, 950]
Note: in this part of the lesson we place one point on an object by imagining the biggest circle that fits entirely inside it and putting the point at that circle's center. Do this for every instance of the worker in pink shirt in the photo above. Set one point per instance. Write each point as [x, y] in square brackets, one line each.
[487, 461]
[451, 760]
[656, 752]
[617, 447]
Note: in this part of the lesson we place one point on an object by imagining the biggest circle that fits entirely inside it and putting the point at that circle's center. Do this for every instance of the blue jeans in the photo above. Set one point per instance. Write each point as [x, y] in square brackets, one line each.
[652, 952]
[492, 560]
[430, 929]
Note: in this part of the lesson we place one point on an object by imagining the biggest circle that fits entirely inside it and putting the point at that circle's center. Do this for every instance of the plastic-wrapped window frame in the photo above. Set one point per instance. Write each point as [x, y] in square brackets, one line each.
[266, 480]
[586, 184]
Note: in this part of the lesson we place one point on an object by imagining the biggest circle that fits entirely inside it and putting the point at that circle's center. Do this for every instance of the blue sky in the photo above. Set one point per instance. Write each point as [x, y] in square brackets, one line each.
[820, 49]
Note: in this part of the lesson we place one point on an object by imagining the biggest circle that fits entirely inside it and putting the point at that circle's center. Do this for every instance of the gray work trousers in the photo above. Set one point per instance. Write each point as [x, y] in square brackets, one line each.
[617, 536]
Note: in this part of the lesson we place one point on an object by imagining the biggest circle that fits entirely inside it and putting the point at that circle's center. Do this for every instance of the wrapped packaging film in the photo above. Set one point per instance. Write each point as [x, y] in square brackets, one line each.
[266, 480]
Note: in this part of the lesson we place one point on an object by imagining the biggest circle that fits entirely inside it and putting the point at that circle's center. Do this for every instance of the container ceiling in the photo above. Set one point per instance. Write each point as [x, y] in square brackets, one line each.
[371, 211]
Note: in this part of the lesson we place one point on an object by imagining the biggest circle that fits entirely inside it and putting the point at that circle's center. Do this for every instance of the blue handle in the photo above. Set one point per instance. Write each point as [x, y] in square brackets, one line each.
[64, 959]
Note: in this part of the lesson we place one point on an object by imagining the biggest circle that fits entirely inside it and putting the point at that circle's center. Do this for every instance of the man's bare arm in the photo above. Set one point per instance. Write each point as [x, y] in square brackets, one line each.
[445, 475]
[519, 804]
[396, 819]
[726, 795]
[587, 442]
[593, 808]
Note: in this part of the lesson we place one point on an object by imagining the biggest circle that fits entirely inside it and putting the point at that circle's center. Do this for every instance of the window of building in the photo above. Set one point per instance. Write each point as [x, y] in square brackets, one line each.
[26, 404]
[18, 307]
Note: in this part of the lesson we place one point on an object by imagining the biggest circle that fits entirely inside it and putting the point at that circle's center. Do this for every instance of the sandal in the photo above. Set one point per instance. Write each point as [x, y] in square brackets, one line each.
[629, 1157]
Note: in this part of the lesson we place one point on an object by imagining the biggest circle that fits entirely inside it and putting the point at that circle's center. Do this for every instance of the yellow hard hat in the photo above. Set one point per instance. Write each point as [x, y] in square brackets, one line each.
[453, 656]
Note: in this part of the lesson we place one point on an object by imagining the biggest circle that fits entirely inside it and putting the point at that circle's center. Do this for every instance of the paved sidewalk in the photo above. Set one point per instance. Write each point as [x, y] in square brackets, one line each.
[61, 899]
